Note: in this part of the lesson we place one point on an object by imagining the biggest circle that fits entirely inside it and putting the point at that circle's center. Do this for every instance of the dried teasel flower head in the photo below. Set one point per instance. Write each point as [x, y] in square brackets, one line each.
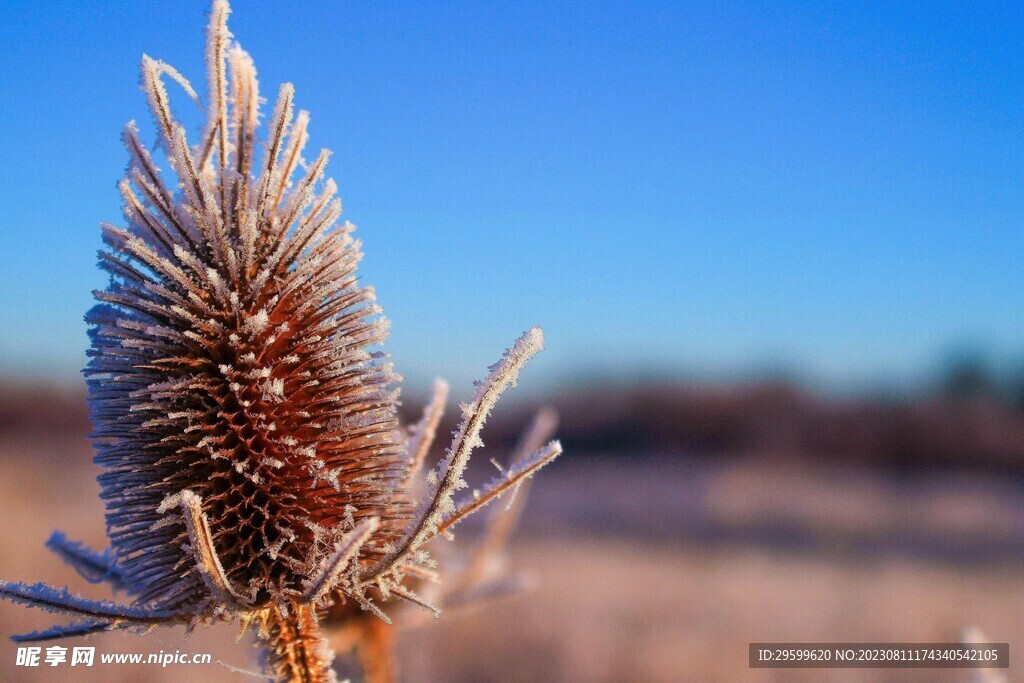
[254, 466]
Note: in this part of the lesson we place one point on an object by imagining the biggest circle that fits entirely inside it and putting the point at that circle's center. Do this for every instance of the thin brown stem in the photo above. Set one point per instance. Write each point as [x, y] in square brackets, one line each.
[294, 646]
[374, 651]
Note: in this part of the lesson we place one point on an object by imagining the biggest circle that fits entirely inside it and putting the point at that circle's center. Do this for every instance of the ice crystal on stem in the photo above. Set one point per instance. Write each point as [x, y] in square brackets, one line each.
[254, 468]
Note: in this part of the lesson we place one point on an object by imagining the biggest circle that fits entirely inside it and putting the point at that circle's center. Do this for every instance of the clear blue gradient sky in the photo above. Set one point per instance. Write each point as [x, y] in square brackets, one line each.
[705, 187]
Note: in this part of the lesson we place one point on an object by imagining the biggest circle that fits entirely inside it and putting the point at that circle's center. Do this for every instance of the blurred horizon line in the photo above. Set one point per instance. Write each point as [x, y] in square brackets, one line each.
[961, 369]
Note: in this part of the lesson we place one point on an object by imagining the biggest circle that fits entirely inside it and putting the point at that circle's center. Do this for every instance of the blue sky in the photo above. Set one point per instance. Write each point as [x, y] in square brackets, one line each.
[706, 188]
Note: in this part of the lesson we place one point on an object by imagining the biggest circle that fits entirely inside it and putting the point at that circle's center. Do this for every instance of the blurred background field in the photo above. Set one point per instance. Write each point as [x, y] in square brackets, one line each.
[746, 513]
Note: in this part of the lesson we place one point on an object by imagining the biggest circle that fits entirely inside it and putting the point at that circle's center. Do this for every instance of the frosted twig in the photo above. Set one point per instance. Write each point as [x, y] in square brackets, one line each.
[450, 470]
[502, 520]
[422, 573]
[82, 628]
[59, 600]
[415, 599]
[501, 484]
[422, 434]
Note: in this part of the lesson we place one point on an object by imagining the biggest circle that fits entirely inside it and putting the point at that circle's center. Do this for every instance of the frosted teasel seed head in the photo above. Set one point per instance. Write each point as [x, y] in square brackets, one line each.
[254, 467]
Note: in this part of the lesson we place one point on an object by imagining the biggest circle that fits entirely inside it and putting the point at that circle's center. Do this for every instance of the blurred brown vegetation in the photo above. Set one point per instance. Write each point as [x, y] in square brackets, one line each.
[948, 431]
[682, 524]
[945, 430]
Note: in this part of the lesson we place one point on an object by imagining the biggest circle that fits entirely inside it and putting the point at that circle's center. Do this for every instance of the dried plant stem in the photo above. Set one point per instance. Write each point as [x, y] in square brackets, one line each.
[373, 650]
[295, 649]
